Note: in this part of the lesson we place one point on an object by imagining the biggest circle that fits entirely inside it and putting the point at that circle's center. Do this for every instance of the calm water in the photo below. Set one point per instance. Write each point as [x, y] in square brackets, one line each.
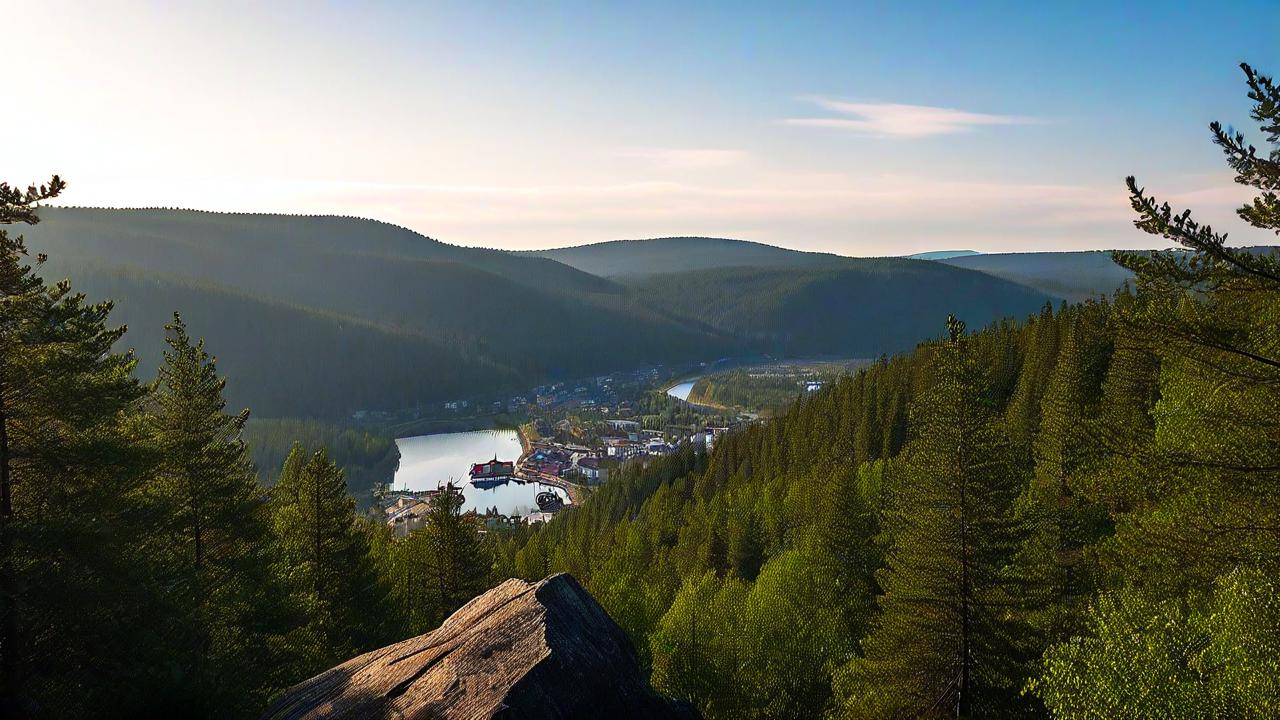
[681, 391]
[427, 461]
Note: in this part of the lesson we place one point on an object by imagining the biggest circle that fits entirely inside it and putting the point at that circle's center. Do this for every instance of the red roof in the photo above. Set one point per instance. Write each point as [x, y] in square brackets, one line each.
[493, 468]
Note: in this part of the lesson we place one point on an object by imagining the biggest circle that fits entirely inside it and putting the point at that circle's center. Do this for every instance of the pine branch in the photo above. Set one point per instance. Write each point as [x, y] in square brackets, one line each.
[1158, 219]
[19, 206]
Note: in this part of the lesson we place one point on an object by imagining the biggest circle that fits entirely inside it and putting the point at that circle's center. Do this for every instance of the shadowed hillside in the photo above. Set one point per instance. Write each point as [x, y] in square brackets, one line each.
[861, 309]
[458, 319]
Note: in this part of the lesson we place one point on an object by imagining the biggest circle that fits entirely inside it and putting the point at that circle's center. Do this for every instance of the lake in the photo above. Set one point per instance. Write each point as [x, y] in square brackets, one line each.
[427, 461]
[681, 391]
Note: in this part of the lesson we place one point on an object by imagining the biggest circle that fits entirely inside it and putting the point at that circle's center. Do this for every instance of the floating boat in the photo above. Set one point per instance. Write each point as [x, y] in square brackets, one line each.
[549, 501]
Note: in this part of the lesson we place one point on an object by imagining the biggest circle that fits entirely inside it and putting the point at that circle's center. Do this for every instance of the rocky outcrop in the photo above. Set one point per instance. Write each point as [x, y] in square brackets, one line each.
[521, 650]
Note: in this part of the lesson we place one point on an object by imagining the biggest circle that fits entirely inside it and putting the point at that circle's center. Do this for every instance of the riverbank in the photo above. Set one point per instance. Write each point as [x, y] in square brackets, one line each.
[528, 435]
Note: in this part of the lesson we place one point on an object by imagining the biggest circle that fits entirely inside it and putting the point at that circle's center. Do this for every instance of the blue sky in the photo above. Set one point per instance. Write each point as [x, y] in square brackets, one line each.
[860, 128]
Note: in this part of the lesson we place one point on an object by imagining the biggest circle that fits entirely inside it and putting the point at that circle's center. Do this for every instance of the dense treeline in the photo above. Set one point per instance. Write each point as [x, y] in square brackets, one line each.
[366, 459]
[145, 571]
[1076, 516]
[752, 390]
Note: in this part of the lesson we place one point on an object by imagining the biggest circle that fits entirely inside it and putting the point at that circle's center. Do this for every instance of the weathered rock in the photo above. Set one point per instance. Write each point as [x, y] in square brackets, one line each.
[521, 650]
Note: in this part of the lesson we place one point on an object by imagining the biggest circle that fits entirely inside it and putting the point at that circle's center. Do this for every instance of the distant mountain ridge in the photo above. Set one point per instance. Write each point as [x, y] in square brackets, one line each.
[941, 254]
[1073, 276]
[650, 256]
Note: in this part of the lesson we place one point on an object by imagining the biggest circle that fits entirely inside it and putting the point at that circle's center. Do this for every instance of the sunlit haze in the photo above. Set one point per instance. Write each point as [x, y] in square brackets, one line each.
[857, 128]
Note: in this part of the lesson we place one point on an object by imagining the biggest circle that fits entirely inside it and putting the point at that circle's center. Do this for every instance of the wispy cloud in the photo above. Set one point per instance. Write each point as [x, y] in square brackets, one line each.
[901, 121]
[685, 158]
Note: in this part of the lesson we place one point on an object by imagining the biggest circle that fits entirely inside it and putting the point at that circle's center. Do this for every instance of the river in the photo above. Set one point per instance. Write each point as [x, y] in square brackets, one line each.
[427, 461]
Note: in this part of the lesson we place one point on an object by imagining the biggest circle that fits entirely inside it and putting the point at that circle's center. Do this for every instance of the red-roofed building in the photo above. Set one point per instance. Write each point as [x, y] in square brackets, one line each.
[493, 470]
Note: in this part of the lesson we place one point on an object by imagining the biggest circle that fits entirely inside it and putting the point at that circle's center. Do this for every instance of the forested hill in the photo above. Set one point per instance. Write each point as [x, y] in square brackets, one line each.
[384, 317]
[323, 316]
[1074, 276]
[214, 244]
[860, 307]
[1097, 474]
[619, 258]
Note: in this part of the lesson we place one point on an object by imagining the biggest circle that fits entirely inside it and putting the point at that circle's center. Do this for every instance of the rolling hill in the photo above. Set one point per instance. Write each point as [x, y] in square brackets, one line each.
[625, 258]
[1073, 276]
[323, 316]
[462, 311]
[856, 308]
[941, 254]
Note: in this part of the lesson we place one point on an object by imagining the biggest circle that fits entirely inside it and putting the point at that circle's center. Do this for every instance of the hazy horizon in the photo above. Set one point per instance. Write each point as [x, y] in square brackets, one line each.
[1140, 244]
[853, 129]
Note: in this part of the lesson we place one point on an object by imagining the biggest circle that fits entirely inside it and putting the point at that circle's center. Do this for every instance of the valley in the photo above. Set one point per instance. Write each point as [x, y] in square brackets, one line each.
[372, 317]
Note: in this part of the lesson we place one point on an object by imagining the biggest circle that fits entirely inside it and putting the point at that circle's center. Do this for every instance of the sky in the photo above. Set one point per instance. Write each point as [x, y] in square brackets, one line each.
[853, 127]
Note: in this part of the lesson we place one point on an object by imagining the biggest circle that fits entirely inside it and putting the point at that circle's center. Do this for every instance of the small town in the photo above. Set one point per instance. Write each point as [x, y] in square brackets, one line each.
[572, 446]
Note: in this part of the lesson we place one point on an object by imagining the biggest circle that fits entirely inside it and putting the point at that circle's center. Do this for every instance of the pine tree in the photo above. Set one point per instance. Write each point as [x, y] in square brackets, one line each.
[746, 546]
[1190, 630]
[323, 557]
[209, 545]
[717, 555]
[1023, 411]
[1215, 315]
[1064, 522]
[944, 642]
[440, 566]
[69, 457]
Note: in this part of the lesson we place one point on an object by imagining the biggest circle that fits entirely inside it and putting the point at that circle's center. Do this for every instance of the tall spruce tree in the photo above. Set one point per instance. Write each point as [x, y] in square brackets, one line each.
[1064, 522]
[323, 557]
[945, 640]
[69, 456]
[210, 542]
[440, 566]
[1190, 629]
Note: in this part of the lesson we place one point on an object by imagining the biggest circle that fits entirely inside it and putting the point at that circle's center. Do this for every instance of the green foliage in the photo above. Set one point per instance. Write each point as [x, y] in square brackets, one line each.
[753, 390]
[1147, 658]
[208, 552]
[321, 554]
[366, 459]
[945, 637]
[438, 568]
[70, 454]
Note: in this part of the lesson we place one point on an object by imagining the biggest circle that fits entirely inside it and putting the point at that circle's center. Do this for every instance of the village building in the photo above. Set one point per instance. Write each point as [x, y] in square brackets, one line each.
[591, 470]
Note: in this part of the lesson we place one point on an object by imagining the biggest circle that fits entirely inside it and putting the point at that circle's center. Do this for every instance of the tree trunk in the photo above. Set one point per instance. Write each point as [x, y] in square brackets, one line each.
[8, 584]
[963, 703]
